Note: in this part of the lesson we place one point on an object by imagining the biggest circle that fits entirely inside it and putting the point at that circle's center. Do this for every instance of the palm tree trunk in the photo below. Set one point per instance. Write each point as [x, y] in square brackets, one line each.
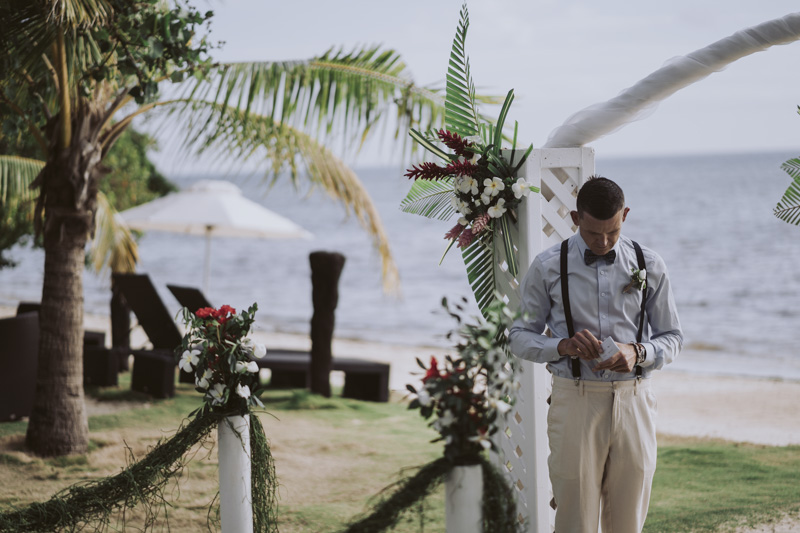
[58, 423]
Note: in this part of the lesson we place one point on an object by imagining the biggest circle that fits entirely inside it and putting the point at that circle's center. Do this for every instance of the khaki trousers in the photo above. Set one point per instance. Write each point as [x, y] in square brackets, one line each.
[602, 454]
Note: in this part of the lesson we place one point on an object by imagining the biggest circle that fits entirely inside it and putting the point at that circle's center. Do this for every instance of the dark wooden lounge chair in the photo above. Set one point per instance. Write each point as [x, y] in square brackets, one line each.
[19, 362]
[153, 369]
[100, 366]
[189, 297]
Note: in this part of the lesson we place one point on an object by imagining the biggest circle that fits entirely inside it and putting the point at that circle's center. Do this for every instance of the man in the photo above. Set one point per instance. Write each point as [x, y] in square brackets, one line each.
[601, 422]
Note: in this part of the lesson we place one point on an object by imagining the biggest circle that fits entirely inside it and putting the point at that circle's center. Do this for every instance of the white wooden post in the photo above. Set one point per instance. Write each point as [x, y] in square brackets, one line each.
[235, 496]
[463, 499]
[543, 221]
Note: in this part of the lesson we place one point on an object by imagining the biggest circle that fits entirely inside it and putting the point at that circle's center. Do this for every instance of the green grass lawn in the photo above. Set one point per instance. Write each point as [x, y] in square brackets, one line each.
[333, 456]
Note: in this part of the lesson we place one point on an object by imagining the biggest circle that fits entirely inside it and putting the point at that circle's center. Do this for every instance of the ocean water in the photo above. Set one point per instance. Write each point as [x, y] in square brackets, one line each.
[734, 266]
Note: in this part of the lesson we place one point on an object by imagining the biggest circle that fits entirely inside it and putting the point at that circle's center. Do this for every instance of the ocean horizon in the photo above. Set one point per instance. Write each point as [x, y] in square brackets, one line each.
[733, 264]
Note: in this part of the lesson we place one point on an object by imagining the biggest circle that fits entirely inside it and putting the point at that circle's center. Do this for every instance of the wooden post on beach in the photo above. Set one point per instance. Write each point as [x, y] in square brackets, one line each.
[235, 485]
[326, 268]
[543, 221]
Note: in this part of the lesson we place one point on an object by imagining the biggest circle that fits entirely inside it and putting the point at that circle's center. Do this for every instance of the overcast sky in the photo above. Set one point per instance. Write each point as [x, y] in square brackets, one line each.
[559, 56]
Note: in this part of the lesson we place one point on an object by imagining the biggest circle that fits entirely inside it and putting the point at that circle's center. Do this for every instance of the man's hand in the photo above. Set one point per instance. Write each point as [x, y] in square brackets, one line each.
[583, 344]
[623, 361]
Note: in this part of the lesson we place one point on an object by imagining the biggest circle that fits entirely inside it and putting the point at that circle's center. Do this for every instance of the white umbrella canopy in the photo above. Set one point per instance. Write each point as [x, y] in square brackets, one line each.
[212, 208]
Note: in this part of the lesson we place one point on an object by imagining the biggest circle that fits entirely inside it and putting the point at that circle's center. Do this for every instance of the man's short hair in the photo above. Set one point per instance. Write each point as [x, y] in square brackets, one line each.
[600, 197]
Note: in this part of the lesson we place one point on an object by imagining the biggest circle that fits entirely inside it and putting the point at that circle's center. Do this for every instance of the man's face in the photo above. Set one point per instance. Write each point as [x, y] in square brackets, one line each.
[600, 235]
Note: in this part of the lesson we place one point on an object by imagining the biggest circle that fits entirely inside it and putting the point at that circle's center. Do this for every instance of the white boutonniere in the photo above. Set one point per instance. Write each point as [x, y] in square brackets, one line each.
[638, 280]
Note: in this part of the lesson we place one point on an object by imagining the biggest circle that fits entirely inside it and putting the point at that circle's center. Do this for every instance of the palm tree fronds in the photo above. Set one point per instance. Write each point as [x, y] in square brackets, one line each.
[430, 198]
[479, 262]
[113, 247]
[788, 209]
[461, 115]
[16, 176]
[342, 91]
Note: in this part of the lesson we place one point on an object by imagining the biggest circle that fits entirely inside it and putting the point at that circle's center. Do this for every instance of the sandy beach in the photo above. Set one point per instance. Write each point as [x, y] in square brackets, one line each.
[695, 398]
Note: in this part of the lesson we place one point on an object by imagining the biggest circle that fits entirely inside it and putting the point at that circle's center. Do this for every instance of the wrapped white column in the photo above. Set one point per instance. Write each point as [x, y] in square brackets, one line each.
[235, 496]
[463, 488]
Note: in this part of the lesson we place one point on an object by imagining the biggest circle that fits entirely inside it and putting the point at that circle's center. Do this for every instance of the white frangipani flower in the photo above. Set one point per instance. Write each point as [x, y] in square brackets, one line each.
[493, 186]
[497, 210]
[189, 360]
[217, 394]
[463, 221]
[485, 198]
[521, 188]
[203, 381]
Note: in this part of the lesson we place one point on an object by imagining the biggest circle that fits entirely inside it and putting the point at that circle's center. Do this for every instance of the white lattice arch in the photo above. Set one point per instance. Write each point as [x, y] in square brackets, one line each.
[543, 221]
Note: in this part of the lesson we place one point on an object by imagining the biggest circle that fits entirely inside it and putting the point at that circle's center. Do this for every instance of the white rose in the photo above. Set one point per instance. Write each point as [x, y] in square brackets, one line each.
[241, 367]
[642, 275]
[259, 351]
[243, 391]
[252, 367]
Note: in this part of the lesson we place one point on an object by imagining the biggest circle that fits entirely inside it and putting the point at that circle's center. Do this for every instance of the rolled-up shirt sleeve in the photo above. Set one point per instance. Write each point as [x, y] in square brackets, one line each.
[666, 337]
[526, 336]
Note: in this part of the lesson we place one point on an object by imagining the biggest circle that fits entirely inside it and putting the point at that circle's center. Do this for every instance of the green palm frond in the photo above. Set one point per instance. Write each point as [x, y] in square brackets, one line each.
[461, 115]
[113, 246]
[16, 176]
[430, 198]
[337, 91]
[278, 148]
[480, 263]
[788, 209]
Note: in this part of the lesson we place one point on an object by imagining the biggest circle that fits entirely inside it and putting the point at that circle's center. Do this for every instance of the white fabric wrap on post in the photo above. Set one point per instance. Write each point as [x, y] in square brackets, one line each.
[641, 99]
[235, 496]
[463, 489]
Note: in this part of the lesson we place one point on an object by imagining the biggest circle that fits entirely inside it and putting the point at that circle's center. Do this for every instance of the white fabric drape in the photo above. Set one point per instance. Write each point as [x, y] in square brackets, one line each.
[640, 99]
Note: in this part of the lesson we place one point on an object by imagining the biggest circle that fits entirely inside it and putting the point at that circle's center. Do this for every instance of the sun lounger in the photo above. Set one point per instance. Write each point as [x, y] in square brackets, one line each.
[189, 297]
[154, 369]
[100, 366]
[19, 358]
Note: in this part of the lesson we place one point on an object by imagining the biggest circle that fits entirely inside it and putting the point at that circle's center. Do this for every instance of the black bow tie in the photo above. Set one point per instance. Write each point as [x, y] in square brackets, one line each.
[590, 257]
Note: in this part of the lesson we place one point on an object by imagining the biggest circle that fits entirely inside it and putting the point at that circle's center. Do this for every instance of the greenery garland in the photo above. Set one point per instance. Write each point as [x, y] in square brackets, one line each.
[499, 504]
[93, 503]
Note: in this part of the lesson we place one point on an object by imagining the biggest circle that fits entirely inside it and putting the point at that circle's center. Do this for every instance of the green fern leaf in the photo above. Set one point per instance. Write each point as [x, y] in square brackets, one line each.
[430, 198]
[461, 115]
[788, 209]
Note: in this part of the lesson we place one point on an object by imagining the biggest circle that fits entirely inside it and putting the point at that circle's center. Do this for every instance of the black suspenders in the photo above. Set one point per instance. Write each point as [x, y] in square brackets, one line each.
[575, 363]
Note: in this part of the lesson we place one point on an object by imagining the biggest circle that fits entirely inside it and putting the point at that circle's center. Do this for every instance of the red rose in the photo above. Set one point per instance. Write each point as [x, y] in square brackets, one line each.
[204, 312]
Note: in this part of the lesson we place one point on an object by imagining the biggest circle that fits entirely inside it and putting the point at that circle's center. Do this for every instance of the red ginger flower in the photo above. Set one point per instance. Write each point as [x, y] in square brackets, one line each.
[454, 232]
[427, 171]
[433, 371]
[480, 223]
[465, 239]
[455, 142]
[462, 168]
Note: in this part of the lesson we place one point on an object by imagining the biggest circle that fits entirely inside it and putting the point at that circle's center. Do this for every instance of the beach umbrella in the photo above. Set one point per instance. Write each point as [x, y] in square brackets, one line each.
[212, 208]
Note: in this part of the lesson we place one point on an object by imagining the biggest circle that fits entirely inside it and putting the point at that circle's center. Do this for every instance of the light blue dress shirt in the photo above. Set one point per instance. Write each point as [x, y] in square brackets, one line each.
[598, 305]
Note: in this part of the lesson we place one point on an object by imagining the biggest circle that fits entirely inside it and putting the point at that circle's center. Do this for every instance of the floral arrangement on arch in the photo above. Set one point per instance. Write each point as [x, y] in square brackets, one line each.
[474, 179]
[469, 396]
[218, 351]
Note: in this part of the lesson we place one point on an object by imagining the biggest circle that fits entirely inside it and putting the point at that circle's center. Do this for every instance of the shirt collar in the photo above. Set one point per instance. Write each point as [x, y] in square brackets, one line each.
[582, 246]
